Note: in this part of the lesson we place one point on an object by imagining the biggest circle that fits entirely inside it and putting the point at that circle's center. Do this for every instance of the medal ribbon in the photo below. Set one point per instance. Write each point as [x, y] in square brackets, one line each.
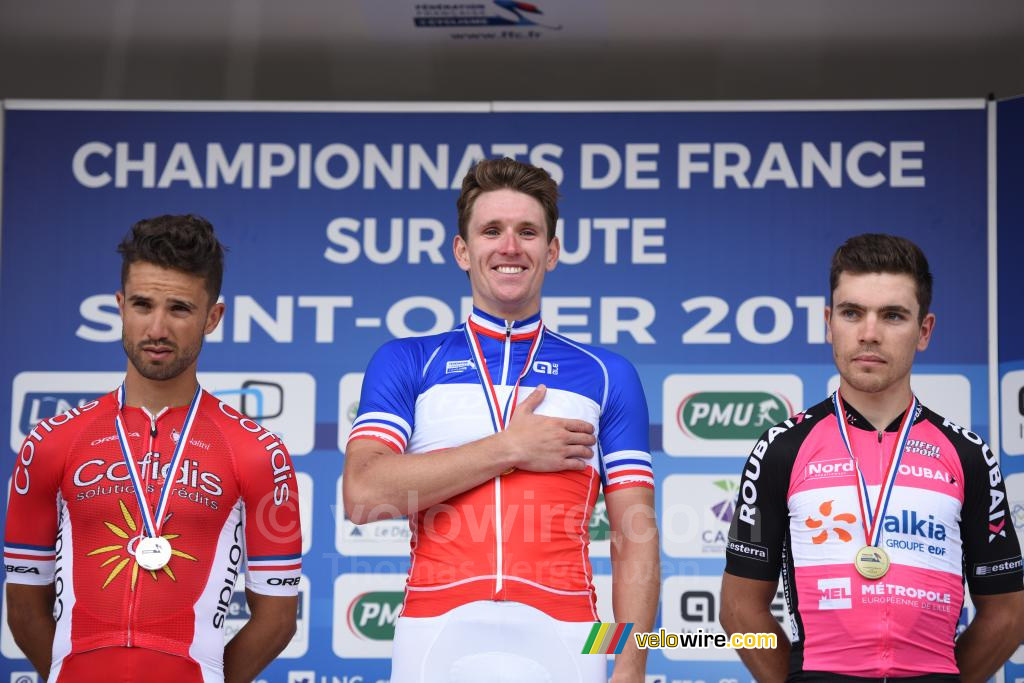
[871, 516]
[152, 524]
[500, 415]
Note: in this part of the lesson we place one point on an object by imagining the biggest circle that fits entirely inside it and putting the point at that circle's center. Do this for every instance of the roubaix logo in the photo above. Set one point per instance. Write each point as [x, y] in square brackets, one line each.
[372, 616]
[752, 473]
[835, 593]
[997, 499]
[731, 414]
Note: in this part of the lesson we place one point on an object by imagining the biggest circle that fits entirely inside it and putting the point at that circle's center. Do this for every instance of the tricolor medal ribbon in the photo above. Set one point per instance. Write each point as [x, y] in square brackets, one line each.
[871, 561]
[153, 551]
[500, 415]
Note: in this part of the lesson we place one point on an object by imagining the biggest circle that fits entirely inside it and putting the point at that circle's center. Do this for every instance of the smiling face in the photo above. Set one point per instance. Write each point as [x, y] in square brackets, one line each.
[874, 330]
[506, 253]
[164, 315]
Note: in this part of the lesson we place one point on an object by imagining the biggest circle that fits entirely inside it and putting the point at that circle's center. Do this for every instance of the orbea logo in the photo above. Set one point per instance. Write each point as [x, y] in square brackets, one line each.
[830, 524]
[731, 414]
[373, 615]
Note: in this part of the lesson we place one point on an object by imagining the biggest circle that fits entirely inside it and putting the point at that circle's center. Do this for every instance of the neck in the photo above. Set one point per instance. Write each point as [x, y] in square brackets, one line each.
[509, 314]
[154, 395]
[878, 408]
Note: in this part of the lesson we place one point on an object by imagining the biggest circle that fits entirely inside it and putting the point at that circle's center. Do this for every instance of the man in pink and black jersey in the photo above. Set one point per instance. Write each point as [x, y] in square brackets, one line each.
[496, 439]
[130, 517]
[875, 509]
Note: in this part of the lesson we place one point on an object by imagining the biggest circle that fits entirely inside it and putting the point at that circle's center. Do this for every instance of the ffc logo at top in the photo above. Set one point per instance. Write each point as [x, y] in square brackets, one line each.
[724, 414]
[281, 402]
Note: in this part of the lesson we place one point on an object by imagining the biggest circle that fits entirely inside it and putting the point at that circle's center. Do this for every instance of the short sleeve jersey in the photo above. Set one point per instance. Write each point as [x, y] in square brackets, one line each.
[73, 520]
[425, 394]
[947, 520]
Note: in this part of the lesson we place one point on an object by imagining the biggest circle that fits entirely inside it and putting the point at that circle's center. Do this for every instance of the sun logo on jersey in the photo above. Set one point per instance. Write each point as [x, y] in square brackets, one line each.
[123, 553]
[826, 511]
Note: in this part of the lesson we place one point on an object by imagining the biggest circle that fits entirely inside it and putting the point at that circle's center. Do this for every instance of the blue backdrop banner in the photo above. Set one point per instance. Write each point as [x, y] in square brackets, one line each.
[696, 242]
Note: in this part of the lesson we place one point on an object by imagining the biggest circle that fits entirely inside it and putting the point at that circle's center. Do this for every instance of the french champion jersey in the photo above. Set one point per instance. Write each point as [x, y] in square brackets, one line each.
[425, 394]
[73, 520]
[947, 519]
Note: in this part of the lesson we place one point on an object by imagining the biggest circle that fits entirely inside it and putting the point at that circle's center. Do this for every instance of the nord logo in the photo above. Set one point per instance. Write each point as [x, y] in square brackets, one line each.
[42, 405]
[909, 523]
[372, 615]
[731, 414]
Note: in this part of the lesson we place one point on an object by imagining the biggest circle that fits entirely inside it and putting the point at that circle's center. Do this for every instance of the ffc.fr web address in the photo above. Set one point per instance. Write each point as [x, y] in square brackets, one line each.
[703, 639]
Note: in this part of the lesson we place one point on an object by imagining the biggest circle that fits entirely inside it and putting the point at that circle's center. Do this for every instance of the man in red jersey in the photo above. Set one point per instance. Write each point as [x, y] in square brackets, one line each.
[129, 516]
[874, 508]
[495, 439]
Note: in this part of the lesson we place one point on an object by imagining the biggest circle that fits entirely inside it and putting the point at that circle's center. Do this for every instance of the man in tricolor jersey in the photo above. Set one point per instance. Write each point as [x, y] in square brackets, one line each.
[495, 439]
[130, 517]
[874, 508]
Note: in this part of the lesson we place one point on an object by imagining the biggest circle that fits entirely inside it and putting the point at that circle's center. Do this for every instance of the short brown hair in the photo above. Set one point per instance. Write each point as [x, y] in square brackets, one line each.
[183, 243]
[497, 174]
[879, 253]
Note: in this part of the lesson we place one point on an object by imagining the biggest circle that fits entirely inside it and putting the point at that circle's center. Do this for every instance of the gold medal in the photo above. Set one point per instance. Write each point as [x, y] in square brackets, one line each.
[871, 562]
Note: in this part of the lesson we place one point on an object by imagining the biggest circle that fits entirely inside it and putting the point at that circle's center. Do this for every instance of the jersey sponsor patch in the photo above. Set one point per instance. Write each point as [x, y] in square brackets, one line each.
[747, 550]
[1011, 564]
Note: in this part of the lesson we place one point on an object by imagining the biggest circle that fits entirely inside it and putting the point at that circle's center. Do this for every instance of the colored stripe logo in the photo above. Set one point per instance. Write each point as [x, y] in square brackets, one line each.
[607, 639]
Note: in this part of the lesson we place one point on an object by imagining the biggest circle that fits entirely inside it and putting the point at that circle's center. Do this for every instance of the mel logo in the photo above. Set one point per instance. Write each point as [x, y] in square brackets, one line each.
[835, 593]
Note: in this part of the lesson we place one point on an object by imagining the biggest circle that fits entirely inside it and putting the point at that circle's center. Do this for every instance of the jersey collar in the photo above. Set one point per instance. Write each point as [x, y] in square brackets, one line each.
[487, 324]
[858, 421]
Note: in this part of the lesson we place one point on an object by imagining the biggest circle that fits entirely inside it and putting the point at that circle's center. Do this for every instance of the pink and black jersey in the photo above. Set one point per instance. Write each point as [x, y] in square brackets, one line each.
[425, 394]
[73, 520]
[947, 520]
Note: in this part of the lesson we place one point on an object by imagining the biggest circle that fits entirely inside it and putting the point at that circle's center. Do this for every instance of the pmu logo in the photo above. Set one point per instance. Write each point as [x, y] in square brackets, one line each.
[38, 405]
[731, 414]
[372, 615]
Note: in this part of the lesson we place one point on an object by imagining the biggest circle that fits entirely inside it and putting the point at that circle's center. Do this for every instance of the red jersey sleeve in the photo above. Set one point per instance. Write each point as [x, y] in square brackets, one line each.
[270, 509]
[34, 502]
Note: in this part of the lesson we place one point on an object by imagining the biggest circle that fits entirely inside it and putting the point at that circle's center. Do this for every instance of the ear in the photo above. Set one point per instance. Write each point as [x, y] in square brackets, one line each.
[461, 251]
[554, 249]
[213, 317]
[828, 324]
[119, 297]
[927, 327]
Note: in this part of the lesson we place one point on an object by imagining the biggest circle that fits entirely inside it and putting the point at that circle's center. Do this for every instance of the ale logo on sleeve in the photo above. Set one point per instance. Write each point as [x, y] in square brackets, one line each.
[724, 414]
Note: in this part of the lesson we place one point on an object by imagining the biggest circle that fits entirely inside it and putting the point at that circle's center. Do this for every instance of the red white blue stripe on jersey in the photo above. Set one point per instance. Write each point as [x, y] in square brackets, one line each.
[30, 552]
[386, 427]
[627, 468]
[275, 563]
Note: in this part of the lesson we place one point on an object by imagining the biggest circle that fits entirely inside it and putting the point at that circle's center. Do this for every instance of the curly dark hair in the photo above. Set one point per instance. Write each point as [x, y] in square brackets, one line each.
[880, 253]
[183, 243]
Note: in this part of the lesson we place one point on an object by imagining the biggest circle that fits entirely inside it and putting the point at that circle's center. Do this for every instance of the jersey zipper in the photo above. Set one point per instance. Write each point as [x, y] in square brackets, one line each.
[499, 549]
[133, 596]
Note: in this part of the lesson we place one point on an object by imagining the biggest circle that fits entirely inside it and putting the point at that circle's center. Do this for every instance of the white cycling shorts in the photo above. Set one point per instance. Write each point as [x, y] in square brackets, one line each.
[494, 642]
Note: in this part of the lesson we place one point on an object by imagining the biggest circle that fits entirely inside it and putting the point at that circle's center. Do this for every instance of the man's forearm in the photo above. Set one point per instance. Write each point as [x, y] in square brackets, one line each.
[30, 617]
[987, 643]
[636, 583]
[257, 644]
[393, 485]
[766, 666]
